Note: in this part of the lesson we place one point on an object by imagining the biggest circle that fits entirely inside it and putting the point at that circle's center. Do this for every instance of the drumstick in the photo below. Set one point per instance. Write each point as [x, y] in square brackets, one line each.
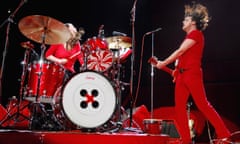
[72, 56]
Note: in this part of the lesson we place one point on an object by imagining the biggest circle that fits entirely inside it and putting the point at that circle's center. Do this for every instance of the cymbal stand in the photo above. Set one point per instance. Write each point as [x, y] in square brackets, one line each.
[13, 101]
[118, 86]
[115, 77]
[38, 108]
[86, 52]
[132, 104]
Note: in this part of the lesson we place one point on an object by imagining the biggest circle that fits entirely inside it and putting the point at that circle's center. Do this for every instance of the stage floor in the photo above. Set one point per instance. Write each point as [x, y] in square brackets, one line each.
[15, 130]
[9, 136]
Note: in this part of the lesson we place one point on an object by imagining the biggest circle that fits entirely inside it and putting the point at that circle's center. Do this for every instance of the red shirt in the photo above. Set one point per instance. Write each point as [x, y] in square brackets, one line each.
[72, 55]
[193, 56]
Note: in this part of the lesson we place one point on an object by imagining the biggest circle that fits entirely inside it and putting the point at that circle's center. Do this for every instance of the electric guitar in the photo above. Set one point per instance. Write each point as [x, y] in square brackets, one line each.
[154, 60]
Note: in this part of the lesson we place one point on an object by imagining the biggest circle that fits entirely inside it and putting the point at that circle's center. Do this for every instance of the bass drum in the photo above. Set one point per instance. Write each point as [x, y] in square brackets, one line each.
[88, 100]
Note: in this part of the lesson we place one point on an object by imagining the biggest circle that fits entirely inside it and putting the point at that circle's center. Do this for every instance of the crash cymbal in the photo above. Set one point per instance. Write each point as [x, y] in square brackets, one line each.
[117, 42]
[44, 29]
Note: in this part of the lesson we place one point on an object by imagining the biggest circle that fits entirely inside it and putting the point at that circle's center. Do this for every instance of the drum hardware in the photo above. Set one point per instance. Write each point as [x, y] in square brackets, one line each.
[86, 52]
[118, 88]
[132, 103]
[116, 44]
[120, 43]
[39, 114]
[43, 118]
[17, 114]
[118, 84]
[44, 30]
[14, 101]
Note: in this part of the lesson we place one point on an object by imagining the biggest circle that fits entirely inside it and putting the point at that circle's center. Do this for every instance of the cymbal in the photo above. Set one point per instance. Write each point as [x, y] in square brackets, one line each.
[117, 42]
[44, 29]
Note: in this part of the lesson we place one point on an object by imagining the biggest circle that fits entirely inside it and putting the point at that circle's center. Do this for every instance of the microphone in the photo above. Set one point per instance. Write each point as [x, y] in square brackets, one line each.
[101, 31]
[156, 30]
[134, 6]
[116, 33]
[101, 27]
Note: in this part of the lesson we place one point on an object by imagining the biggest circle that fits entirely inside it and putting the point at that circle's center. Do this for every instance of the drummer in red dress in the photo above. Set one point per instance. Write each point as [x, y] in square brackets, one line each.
[67, 54]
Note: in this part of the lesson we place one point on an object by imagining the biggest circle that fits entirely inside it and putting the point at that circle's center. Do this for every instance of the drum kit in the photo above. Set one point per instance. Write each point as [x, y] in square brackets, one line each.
[89, 100]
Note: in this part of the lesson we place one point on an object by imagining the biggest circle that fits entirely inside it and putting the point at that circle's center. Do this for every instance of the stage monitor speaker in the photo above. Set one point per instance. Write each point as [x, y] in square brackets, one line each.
[169, 128]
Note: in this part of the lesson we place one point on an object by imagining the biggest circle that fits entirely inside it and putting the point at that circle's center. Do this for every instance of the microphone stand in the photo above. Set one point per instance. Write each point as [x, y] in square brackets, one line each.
[133, 12]
[152, 77]
[9, 20]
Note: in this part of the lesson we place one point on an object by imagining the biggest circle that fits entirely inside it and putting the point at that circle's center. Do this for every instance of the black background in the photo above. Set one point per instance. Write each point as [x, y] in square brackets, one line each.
[220, 60]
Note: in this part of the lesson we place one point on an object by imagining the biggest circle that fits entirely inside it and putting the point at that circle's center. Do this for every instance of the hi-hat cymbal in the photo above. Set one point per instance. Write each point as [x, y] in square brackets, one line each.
[117, 42]
[43, 29]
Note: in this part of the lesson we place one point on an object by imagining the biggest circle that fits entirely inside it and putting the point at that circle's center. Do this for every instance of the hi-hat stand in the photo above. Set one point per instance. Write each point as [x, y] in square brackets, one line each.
[15, 105]
[38, 111]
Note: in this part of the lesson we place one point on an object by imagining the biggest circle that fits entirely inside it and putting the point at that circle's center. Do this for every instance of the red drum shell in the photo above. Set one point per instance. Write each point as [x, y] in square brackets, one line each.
[152, 126]
[51, 76]
[95, 43]
[100, 60]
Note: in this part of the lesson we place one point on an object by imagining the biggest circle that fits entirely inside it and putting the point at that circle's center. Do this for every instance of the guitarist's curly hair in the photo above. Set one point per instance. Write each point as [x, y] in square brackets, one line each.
[199, 13]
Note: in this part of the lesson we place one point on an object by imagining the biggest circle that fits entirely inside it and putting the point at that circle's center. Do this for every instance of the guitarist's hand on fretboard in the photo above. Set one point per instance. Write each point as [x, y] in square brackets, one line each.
[154, 61]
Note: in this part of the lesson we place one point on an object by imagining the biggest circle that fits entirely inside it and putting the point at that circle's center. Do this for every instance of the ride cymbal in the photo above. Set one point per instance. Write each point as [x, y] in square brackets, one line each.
[44, 29]
[117, 42]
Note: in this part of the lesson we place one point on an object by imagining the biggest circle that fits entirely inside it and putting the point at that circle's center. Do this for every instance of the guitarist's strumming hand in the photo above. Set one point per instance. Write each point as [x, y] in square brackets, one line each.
[158, 64]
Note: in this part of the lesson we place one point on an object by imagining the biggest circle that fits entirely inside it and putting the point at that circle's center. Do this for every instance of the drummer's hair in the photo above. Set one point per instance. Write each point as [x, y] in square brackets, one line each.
[68, 24]
[199, 14]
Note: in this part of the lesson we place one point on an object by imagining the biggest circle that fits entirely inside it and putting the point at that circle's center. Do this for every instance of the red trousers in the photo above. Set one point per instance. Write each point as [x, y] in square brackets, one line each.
[190, 82]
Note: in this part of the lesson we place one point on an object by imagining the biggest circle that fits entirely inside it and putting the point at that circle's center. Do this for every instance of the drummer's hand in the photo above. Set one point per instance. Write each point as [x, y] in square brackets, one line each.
[62, 61]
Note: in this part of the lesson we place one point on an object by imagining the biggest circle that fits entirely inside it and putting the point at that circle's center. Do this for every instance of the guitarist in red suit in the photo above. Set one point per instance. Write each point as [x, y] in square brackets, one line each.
[189, 79]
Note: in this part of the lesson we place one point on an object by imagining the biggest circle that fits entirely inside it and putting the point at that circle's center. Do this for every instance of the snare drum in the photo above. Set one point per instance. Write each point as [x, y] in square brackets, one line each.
[88, 100]
[49, 75]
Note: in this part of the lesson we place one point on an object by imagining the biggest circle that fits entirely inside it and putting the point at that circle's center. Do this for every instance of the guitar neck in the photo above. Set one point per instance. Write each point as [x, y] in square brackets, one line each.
[168, 70]
[153, 60]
